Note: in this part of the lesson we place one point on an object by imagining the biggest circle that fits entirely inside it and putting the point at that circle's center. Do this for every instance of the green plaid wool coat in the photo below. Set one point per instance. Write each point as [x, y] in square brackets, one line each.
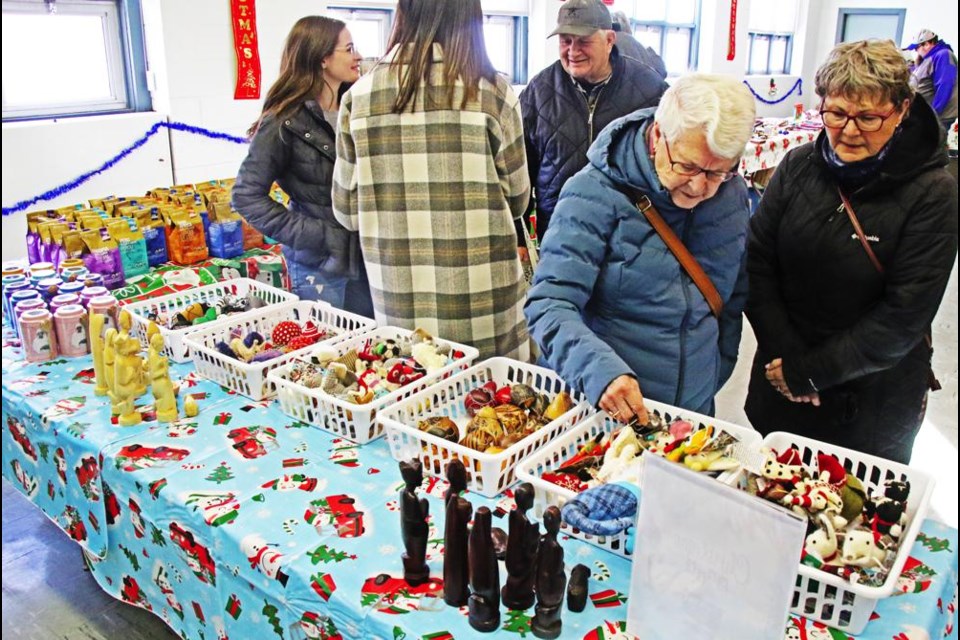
[434, 192]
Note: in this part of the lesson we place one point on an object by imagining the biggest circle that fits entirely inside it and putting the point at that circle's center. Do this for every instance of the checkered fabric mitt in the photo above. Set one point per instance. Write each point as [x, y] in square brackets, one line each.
[602, 511]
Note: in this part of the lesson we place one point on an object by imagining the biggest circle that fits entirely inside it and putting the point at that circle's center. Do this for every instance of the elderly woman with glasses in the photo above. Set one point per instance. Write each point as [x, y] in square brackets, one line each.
[850, 252]
[612, 307]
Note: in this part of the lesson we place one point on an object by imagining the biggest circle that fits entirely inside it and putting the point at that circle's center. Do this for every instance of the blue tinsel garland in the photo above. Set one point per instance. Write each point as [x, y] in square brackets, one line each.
[142, 140]
[797, 86]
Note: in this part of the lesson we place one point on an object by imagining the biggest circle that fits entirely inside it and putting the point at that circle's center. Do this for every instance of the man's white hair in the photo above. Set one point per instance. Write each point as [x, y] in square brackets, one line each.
[719, 106]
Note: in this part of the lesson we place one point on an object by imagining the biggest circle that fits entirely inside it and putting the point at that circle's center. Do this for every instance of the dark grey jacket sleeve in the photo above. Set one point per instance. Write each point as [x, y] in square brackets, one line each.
[267, 161]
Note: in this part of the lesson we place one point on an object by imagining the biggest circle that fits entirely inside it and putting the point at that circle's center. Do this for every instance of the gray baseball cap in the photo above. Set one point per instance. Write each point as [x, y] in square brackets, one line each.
[582, 18]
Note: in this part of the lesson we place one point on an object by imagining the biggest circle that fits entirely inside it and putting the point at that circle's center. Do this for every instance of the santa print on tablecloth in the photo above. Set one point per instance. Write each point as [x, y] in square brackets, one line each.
[88, 472]
[289, 482]
[344, 453]
[395, 595]
[196, 555]
[315, 627]
[253, 442]
[217, 507]
[110, 504]
[139, 528]
[19, 433]
[339, 510]
[132, 593]
[609, 630]
[915, 578]
[60, 462]
[802, 629]
[162, 579]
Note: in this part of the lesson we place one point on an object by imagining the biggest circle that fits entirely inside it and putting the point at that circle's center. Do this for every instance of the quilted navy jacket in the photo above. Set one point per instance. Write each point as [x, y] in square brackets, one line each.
[610, 299]
[559, 127]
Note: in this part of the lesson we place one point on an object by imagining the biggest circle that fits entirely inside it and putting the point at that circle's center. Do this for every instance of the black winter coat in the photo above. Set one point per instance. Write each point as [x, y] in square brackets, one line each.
[298, 153]
[843, 329]
[558, 127]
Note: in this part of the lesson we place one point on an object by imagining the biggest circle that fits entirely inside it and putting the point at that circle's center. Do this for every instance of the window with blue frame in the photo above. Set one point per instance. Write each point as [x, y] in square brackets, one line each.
[670, 28]
[505, 37]
[506, 40]
[72, 57]
[370, 28]
[771, 31]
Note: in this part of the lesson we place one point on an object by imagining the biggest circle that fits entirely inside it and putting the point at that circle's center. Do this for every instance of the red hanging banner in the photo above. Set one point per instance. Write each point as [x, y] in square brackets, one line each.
[243, 17]
[732, 43]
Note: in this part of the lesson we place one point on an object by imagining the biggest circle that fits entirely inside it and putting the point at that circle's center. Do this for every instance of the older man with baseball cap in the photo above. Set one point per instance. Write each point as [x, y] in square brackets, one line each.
[935, 75]
[567, 104]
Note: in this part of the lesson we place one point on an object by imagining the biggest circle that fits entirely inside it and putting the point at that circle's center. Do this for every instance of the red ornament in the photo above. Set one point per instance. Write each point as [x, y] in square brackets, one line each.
[285, 332]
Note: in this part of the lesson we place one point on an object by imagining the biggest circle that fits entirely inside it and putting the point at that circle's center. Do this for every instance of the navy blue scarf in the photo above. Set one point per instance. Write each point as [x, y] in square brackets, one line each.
[853, 175]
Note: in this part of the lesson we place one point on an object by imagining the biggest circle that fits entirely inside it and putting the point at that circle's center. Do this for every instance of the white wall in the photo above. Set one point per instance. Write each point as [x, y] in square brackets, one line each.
[941, 17]
[201, 74]
[38, 156]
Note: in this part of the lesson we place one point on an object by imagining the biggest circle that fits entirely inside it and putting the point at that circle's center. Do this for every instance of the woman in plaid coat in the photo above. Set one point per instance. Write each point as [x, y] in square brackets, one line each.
[431, 170]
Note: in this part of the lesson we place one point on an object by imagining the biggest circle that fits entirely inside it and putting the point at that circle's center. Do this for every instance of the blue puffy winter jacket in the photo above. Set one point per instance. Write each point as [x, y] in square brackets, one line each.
[610, 299]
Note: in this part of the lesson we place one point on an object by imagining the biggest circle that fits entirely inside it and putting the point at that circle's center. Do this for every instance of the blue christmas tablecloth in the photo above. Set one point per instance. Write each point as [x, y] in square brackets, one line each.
[244, 523]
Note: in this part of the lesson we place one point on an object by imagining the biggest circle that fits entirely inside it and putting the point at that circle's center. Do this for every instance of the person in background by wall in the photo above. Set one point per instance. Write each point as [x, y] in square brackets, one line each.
[613, 308]
[849, 255]
[567, 104]
[935, 75]
[293, 145]
[630, 47]
[431, 170]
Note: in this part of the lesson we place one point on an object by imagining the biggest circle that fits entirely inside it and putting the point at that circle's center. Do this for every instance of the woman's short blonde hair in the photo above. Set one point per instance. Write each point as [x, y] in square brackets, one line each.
[865, 69]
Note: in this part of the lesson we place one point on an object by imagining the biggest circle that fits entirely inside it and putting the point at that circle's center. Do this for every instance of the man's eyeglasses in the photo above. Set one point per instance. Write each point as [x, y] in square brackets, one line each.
[690, 170]
[866, 122]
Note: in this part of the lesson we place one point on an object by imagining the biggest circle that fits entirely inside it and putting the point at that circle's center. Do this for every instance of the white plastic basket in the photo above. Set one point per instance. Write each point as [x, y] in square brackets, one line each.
[488, 473]
[831, 599]
[356, 422]
[250, 378]
[172, 303]
[565, 447]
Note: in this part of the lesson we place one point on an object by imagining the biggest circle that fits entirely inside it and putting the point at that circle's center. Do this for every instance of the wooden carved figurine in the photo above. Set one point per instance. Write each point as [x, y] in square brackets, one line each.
[97, 351]
[109, 367]
[484, 614]
[125, 323]
[455, 554]
[128, 374]
[522, 542]
[159, 369]
[577, 588]
[551, 579]
[414, 529]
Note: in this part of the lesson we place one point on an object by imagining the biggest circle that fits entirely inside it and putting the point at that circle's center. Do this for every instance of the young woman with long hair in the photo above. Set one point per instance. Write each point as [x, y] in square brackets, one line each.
[431, 170]
[293, 144]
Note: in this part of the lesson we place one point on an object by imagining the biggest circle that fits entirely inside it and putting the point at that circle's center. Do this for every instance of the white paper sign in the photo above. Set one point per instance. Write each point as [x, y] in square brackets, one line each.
[710, 561]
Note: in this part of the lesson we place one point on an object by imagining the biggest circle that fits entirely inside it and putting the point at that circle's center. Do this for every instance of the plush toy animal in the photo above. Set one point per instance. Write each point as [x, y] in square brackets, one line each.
[861, 549]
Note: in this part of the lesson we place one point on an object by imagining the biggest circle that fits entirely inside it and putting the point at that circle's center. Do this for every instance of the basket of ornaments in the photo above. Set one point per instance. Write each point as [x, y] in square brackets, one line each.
[177, 314]
[239, 352]
[341, 387]
[863, 514]
[592, 472]
[489, 416]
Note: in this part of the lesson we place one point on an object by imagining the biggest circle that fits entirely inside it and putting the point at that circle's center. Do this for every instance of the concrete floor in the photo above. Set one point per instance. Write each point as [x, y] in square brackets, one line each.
[47, 592]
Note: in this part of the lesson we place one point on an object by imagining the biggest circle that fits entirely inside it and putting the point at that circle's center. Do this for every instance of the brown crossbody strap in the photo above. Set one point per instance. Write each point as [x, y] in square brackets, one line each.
[932, 380]
[680, 252]
[856, 227]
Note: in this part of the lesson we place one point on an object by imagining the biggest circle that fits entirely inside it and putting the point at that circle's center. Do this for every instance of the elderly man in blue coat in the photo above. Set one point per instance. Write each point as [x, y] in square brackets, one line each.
[611, 307]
